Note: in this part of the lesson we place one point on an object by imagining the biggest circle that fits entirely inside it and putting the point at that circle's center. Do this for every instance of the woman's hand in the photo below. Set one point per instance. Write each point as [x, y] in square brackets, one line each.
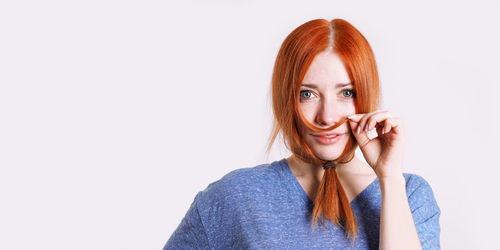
[383, 153]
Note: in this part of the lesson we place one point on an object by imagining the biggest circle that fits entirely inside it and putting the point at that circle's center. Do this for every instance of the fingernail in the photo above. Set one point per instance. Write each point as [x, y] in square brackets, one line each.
[351, 116]
[359, 129]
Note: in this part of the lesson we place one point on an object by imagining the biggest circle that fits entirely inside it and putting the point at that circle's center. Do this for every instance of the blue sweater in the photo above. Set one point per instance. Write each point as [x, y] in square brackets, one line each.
[265, 207]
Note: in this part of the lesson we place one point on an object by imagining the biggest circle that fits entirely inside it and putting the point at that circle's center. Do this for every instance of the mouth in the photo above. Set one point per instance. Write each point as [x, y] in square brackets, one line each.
[327, 138]
[327, 134]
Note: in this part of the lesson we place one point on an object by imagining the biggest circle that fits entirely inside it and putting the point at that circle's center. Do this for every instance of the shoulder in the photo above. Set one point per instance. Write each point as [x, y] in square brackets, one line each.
[420, 195]
[241, 182]
[224, 203]
[417, 185]
[424, 209]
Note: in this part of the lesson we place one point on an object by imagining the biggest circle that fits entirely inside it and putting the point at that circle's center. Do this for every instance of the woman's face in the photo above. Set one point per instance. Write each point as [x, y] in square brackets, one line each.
[326, 96]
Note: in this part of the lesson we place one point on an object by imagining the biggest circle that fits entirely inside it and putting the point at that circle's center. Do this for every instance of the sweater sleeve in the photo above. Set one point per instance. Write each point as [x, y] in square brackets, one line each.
[190, 234]
[425, 212]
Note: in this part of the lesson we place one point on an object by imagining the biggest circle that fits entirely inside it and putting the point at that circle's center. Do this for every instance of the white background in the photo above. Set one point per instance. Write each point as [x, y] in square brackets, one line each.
[114, 114]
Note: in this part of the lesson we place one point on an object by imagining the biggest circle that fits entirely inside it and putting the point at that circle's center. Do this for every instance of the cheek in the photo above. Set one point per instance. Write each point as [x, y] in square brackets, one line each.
[345, 107]
[308, 111]
[349, 109]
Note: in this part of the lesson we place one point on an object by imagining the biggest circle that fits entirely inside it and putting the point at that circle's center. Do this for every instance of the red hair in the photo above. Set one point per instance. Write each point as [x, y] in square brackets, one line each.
[294, 58]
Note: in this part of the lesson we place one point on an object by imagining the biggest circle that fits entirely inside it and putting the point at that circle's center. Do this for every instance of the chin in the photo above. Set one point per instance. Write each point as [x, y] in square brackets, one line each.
[327, 155]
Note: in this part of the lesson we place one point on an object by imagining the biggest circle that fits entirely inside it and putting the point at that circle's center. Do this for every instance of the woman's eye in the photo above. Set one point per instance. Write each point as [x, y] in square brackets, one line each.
[308, 94]
[352, 93]
[305, 94]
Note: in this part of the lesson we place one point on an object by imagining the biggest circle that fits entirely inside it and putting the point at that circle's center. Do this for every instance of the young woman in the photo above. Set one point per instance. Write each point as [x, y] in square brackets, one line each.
[325, 92]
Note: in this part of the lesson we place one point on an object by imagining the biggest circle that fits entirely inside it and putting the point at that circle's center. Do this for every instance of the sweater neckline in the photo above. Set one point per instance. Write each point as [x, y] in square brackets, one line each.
[304, 197]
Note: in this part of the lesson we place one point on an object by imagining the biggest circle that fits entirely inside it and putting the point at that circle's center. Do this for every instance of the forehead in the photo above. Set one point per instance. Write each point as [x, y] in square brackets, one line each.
[326, 70]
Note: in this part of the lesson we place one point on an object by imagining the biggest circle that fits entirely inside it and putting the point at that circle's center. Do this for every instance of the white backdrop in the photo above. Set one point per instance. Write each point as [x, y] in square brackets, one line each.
[114, 114]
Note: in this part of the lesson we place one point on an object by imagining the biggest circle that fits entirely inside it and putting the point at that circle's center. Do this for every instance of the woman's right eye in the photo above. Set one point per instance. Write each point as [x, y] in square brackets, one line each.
[305, 94]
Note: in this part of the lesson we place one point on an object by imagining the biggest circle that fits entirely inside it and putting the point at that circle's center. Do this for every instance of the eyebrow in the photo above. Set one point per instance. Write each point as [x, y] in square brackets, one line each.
[338, 85]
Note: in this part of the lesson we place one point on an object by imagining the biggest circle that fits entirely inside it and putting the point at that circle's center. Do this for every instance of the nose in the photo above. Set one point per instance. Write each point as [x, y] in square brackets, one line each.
[327, 115]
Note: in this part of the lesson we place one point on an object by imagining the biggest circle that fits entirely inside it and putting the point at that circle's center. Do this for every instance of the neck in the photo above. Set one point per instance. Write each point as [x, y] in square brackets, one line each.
[307, 170]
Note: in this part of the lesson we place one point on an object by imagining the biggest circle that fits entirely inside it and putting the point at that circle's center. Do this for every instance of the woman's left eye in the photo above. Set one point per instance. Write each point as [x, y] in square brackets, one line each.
[353, 94]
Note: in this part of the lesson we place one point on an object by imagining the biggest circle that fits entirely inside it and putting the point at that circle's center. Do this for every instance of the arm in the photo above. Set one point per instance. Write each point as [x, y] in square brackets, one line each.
[397, 228]
[400, 226]
[424, 209]
[384, 153]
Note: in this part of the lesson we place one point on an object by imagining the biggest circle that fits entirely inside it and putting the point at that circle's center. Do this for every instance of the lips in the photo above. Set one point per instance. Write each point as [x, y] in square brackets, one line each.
[327, 134]
[327, 140]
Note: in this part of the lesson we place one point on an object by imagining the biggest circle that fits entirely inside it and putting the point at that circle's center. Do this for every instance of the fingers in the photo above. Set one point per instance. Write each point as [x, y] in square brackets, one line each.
[387, 127]
[363, 119]
[380, 118]
[369, 121]
[394, 125]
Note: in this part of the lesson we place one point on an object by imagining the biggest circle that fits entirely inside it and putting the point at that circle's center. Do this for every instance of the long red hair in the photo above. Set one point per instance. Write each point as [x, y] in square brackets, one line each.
[294, 58]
